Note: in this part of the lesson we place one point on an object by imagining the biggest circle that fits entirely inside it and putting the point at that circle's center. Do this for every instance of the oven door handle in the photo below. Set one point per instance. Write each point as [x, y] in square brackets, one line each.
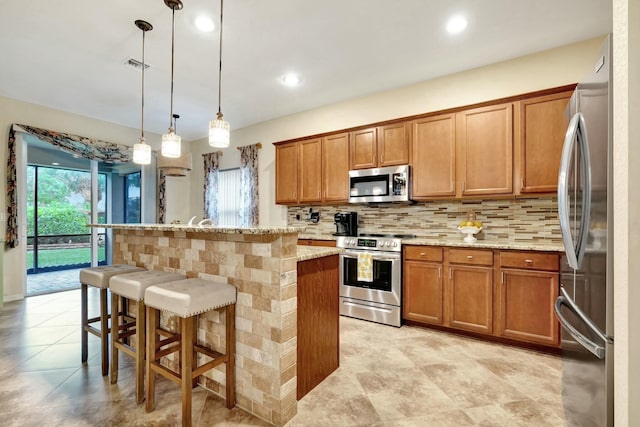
[376, 256]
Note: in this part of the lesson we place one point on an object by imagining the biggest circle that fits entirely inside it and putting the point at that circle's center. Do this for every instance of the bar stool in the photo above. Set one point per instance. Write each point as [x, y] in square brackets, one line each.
[98, 277]
[187, 299]
[131, 287]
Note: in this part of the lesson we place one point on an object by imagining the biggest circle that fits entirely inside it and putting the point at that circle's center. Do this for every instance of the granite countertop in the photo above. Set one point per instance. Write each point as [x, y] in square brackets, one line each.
[306, 253]
[316, 237]
[488, 244]
[196, 229]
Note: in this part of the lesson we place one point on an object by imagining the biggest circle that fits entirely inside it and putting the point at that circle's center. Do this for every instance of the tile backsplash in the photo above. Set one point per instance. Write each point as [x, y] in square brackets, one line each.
[532, 219]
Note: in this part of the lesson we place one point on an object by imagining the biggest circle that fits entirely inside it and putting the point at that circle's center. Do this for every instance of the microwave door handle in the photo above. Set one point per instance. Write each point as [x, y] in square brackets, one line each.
[563, 190]
[583, 143]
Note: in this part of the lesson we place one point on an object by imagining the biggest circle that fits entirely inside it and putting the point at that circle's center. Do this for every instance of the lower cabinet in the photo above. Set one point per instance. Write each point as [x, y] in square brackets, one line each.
[459, 288]
[525, 298]
[423, 285]
[313, 242]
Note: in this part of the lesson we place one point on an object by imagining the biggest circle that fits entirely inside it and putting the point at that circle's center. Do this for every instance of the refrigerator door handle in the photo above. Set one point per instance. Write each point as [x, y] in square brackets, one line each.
[576, 133]
[597, 350]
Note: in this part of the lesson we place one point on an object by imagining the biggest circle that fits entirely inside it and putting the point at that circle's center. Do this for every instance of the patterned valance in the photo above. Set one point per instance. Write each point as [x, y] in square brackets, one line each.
[89, 148]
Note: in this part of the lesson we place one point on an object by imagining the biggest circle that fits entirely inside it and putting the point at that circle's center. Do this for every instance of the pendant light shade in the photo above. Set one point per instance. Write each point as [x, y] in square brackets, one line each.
[171, 143]
[142, 151]
[219, 129]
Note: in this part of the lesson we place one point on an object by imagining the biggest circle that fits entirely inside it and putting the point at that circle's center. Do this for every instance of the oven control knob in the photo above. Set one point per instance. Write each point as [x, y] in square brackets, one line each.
[386, 243]
[352, 242]
[395, 244]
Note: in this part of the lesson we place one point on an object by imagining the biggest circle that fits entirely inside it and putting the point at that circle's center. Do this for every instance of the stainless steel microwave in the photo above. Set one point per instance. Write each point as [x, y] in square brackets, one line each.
[379, 185]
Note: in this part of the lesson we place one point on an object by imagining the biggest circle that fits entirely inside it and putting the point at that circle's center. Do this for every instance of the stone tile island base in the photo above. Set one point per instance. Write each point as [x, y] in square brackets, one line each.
[261, 263]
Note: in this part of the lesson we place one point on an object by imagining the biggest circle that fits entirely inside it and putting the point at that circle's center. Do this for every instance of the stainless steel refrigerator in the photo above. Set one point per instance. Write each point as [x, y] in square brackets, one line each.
[585, 305]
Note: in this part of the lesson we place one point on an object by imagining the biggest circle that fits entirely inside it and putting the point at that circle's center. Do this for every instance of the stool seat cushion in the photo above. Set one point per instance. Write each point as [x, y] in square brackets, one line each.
[99, 276]
[189, 297]
[133, 285]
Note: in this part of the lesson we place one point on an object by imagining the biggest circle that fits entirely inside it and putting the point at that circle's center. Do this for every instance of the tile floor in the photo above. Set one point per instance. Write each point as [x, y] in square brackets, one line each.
[53, 281]
[388, 377]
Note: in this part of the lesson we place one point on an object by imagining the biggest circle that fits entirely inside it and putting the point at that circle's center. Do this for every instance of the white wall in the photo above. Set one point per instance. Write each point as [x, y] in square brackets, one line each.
[626, 137]
[13, 111]
[543, 70]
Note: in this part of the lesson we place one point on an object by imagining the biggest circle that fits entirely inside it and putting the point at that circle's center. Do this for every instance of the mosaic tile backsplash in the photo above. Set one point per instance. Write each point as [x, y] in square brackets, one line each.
[516, 220]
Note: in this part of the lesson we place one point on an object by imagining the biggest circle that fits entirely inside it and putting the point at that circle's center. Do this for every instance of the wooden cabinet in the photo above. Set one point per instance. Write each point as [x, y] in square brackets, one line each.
[318, 354]
[379, 147]
[423, 286]
[313, 242]
[363, 149]
[525, 296]
[335, 168]
[470, 290]
[484, 158]
[287, 173]
[310, 171]
[393, 144]
[313, 171]
[433, 146]
[542, 130]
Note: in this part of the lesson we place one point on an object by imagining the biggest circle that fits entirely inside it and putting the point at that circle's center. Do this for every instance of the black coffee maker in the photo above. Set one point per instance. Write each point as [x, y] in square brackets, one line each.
[346, 223]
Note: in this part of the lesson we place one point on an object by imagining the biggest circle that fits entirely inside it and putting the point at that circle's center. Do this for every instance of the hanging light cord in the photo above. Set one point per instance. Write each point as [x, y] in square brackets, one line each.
[220, 65]
[173, 29]
[143, 67]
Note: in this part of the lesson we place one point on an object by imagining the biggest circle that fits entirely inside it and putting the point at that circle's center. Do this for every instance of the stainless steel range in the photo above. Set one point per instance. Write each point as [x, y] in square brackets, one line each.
[371, 277]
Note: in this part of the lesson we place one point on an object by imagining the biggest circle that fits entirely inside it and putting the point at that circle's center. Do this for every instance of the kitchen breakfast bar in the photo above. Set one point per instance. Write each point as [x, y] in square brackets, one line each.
[286, 311]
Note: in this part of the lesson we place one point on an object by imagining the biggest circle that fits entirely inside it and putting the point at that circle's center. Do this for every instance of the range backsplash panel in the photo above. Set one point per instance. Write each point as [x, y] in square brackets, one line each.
[517, 220]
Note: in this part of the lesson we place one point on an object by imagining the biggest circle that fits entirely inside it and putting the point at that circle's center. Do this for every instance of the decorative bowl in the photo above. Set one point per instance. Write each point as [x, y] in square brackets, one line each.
[470, 231]
[599, 237]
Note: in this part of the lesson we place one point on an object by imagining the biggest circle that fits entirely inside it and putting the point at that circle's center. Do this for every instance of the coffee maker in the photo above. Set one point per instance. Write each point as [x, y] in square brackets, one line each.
[346, 223]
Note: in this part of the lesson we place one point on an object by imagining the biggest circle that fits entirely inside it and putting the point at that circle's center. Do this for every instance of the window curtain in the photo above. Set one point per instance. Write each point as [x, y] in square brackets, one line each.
[89, 148]
[162, 197]
[211, 169]
[249, 213]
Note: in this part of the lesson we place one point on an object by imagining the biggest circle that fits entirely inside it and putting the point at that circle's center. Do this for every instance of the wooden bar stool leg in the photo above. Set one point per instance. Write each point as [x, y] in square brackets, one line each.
[104, 331]
[150, 379]
[186, 330]
[84, 314]
[194, 341]
[140, 342]
[231, 355]
[115, 336]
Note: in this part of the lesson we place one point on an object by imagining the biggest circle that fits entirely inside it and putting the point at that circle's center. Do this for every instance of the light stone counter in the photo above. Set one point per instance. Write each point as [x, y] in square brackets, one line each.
[204, 229]
[488, 244]
[306, 253]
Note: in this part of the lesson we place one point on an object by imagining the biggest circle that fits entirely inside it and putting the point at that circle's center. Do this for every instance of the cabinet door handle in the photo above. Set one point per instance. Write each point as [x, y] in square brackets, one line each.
[464, 186]
[318, 194]
[502, 277]
[522, 183]
[439, 272]
[528, 261]
[469, 256]
[422, 253]
[450, 274]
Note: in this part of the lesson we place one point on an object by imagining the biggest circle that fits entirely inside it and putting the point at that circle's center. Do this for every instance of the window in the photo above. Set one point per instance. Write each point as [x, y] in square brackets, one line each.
[229, 197]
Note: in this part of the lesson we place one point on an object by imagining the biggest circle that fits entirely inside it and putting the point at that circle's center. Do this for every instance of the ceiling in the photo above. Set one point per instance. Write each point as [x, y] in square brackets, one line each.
[69, 54]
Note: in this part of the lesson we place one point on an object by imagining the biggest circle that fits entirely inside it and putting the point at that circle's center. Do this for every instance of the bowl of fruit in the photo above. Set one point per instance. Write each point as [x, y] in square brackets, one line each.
[470, 227]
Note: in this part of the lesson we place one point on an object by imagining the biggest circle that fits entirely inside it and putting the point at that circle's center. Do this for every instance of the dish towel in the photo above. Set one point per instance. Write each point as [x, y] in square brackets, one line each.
[365, 267]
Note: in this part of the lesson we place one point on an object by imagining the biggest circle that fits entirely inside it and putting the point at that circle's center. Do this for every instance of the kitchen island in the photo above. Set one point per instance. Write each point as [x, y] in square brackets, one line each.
[262, 264]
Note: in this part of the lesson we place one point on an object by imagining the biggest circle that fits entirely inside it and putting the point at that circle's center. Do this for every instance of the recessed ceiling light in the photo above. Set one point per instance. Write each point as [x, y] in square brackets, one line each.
[291, 80]
[55, 164]
[456, 24]
[204, 24]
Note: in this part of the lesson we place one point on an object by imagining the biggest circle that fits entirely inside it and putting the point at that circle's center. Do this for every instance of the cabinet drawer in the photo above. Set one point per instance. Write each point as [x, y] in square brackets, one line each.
[471, 256]
[530, 260]
[423, 253]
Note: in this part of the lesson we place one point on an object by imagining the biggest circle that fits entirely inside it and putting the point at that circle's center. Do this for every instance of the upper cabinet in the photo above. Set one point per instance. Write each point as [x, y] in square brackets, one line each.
[542, 129]
[313, 171]
[379, 147]
[484, 160]
[287, 173]
[310, 171]
[433, 149]
[335, 168]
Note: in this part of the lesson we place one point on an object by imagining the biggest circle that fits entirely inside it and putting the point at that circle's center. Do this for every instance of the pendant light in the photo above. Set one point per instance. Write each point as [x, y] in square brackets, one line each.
[142, 151]
[171, 141]
[219, 128]
[175, 166]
